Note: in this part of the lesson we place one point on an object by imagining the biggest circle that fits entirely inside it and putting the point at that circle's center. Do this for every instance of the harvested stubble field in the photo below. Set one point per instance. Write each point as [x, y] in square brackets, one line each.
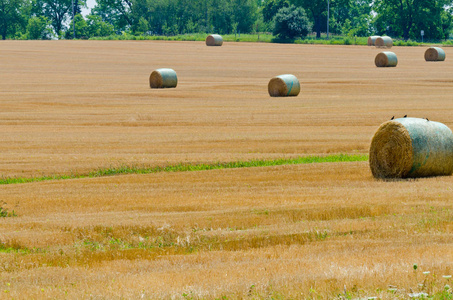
[304, 231]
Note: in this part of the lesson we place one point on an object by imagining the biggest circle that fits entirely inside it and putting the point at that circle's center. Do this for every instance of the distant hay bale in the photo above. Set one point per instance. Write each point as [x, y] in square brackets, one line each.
[372, 40]
[386, 59]
[434, 54]
[411, 147]
[284, 85]
[214, 40]
[384, 42]
[163, 78]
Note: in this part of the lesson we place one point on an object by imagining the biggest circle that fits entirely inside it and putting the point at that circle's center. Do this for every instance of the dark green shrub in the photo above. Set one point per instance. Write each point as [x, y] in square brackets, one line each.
[290, 23]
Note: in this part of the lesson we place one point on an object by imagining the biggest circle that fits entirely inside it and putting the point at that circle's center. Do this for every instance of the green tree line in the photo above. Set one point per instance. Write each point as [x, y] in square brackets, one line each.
[287, 19]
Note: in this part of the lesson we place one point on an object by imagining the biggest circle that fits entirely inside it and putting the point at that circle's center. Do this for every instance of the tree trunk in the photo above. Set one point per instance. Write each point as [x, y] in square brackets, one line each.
[4, 30]
[406, 17]
[318, 26]
[406, 33]
[403, 20]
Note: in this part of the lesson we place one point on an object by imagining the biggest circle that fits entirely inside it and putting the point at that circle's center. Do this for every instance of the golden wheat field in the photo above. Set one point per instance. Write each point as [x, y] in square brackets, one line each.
[307, 231]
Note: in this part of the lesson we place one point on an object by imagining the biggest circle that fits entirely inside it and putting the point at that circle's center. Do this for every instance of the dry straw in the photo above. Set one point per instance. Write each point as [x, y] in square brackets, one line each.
[163, 78]
[384, 42]
[434, 54]
[411, 147]
[214, 40]
[284, 85]
[372, 40]
[386, 59]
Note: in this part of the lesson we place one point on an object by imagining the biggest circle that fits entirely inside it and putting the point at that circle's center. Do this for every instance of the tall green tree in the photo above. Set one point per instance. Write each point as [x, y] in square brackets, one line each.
[245, 14]
[220, 17]
[37, 28]
[291, 22]
[10, 16]
[57, 11]
[136, 15]
[97, 27]
[318, 11]
[407, 18]
[160, 16]
[271, 8]
[80, 28]
[77, 7]
[352, 17]
[447, 21]
[117, 12]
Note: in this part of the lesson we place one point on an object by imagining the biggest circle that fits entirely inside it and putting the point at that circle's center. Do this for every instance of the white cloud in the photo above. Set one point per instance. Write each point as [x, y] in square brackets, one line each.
[90, 4]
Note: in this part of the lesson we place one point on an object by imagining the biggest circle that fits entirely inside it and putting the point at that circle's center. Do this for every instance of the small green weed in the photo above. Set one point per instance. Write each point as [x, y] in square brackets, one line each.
[4, 213]
[193, 167]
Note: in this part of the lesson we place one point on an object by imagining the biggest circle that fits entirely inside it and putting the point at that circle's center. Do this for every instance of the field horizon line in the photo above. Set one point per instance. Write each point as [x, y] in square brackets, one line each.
[187, 167]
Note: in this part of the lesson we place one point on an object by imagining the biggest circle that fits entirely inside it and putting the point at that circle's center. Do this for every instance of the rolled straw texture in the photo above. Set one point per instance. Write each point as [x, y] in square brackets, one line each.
[386, 59]
[372, 40]
[214, 40]
[411, 147]
[163, 78]
[284, 85]
[434, 54]
[384, 42]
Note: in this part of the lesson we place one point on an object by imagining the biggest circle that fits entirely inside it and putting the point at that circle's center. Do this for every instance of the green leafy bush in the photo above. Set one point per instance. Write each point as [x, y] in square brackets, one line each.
[290, 23]
[4, 213]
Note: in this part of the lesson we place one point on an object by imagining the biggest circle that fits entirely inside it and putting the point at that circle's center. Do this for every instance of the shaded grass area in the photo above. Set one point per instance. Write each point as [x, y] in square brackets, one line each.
[262, 37]
[269, 38]
[191, 167]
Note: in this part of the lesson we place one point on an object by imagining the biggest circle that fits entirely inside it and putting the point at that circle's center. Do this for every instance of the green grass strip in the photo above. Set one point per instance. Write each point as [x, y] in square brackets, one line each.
[192, 167]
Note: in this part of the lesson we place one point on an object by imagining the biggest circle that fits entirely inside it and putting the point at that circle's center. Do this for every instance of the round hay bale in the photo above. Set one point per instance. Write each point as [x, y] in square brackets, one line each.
[384, 42]
[214, 40]
[163, 78]
[386, 59]
[434, 54]
[411, 147]
[372, 40]
[284, 85]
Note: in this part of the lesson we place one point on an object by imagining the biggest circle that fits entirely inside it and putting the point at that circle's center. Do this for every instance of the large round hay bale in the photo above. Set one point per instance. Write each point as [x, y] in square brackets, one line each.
[411, 147]
[372, 40]
[384, 42]
[284, 85]
[214, 40]
[386, 59]
[163, 78]
[434, 54]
